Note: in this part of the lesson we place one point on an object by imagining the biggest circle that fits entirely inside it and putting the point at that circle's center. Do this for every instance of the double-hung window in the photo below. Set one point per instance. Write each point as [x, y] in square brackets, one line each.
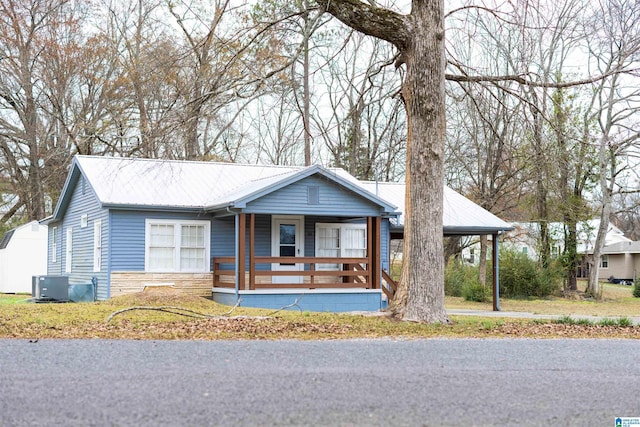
[604, 261]
[340, 240]
[176, 246]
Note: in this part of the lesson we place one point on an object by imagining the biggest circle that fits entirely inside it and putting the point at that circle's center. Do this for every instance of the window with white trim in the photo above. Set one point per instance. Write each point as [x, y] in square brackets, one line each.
[69, 250]
[54, 244]
[340, 240]
[172, 246]
[604, 261]
[97, 245]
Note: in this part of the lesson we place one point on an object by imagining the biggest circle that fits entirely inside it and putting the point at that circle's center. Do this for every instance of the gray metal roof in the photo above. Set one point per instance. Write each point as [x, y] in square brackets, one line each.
[461, 216]
[177, 184]
[152, 183]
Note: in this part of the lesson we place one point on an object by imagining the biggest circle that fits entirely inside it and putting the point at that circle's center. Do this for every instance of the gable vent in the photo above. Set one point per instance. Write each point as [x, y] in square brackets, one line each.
[313, 195]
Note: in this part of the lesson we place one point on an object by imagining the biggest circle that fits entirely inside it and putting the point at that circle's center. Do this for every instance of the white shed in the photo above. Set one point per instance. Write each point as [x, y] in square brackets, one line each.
[23, 254]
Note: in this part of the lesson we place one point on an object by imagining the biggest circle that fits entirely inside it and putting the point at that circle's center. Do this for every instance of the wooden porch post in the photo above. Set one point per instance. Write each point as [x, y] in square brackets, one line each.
[370, 251]
[375, 265]
[252, 251]
[242, 250]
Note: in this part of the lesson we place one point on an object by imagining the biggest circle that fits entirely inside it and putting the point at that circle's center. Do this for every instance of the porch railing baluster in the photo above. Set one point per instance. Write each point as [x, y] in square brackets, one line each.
[356, 272]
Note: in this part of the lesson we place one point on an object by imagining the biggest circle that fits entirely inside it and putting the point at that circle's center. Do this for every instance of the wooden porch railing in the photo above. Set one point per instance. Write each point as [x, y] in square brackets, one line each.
[390, 287]
[351, 273]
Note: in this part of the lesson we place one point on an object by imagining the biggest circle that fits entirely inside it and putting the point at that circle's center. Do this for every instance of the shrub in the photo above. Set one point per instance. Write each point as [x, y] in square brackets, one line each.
[457, 276]
[523, 277]
[636, 287]
[474, 292]
[454, 277]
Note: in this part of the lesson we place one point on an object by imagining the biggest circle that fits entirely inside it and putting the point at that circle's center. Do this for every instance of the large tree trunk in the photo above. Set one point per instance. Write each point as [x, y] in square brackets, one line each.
[420, 40]
[423, 93]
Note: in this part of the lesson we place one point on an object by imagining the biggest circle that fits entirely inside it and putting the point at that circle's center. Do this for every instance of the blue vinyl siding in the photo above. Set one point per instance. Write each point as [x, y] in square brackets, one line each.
[128, 232]
[384, 243]
[333, 200]
[223, 237]
[83, 201]
[54, 268]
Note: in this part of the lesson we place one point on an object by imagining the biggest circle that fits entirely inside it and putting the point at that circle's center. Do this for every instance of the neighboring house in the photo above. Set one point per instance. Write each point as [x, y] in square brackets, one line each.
[23, 254]
[620, 261]
[525, 237]
[265, 235]
[620, 258]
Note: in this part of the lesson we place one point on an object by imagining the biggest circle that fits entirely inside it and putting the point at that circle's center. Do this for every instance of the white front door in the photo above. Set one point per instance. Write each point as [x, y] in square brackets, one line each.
[287, 236]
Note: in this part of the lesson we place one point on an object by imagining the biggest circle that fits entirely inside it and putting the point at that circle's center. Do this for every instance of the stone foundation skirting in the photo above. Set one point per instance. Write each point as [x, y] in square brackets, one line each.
[130, 282]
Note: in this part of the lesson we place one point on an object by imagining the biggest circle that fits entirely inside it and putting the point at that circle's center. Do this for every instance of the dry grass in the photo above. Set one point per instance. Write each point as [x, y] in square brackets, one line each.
[617, 301]
[89, 320]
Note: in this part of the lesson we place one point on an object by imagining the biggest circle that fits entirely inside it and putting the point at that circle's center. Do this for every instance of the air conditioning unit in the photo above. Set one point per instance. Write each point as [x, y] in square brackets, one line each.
[50, 288]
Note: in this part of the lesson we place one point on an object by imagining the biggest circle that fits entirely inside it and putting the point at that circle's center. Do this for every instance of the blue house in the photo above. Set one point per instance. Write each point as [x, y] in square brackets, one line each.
[266, 236]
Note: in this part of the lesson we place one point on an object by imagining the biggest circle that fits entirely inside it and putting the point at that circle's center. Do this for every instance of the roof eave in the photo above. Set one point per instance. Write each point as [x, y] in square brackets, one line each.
[454, 230]
[164, 208]
[65, 196]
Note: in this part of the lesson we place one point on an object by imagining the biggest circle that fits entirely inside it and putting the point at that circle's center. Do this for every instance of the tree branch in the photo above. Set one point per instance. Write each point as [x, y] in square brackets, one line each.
[523, 80]
[371, 20]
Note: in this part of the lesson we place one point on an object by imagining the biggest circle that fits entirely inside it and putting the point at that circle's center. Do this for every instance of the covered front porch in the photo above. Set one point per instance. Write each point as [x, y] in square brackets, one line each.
[300, 272]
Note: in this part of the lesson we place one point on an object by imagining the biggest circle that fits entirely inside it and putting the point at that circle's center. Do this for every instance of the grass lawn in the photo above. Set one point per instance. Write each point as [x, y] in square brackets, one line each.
[617, 301]
[20, 319]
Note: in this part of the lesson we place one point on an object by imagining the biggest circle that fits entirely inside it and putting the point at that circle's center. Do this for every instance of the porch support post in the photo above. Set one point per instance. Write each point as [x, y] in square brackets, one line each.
[242, 250]
[370, 251]
[496, 272]
[377, 272]
[252, 251]
[237, 255]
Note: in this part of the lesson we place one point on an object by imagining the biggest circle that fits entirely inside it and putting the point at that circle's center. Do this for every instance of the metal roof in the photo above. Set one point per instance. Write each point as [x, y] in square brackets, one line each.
[461, 216]
[189, 185]
[178, 184]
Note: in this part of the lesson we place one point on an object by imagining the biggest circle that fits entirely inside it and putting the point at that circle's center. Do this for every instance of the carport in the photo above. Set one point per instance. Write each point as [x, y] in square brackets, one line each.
[461, 217]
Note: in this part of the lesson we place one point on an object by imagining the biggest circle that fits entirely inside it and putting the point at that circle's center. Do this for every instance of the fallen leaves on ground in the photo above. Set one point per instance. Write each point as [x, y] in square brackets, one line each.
[36, 321]
[555, 330]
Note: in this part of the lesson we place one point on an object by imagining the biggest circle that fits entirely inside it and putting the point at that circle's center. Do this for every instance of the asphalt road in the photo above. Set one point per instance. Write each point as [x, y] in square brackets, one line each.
[351, 383]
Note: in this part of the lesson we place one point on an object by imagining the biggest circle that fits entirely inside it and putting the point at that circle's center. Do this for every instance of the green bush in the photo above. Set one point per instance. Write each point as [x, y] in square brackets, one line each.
[523, 277]
[519, 277]
[456, 274]
[474, 292]
[461, 280]
[636, 287]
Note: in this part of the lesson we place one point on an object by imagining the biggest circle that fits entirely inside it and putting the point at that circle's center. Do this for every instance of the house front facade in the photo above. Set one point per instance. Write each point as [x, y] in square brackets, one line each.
[258, 236]
[263, 235]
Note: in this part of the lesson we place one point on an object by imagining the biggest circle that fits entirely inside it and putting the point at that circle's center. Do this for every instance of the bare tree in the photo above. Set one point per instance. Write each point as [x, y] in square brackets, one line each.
[29, 128]
[363, 125]
[614, 107]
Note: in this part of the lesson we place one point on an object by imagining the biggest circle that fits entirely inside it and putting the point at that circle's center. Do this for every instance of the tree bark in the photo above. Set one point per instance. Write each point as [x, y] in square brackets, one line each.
[420, 40]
